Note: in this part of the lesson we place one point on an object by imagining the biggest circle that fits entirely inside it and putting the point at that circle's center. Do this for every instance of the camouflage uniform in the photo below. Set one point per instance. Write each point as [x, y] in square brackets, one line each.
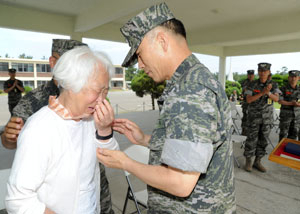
[245, 84]
[38, 98]
[289, 115]
[260, 119]
[195, 113]
[192, 132]
[14, 95]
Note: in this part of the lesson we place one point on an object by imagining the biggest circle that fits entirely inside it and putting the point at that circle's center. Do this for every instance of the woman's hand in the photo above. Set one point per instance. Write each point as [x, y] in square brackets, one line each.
[48, 211]
[104, 117]
[131, 131]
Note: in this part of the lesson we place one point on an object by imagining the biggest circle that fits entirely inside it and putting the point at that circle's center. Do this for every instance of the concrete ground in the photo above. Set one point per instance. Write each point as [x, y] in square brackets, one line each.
[275, 192]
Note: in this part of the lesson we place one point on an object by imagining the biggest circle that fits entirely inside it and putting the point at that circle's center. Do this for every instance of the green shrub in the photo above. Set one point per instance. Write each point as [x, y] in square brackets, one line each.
[1, 91]
[27, 89]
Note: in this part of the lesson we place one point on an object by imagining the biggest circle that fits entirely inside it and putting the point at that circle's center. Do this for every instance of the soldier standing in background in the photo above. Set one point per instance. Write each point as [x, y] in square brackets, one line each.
[260, 95]
[290, 107]
[245, 84]
[190, 166]
[14, 88]
[38, 98]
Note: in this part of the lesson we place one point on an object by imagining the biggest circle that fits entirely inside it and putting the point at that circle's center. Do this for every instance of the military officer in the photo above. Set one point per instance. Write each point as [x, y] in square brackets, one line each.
[245, 84]
[290, 107]
[260, 95]
[190, 167]
[38, 98]
[14, 88]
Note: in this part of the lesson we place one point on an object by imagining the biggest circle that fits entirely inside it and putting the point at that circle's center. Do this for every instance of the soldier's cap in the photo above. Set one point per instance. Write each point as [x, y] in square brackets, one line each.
[250, 72]
[137, 27]
[12, 70]
[61, 46]
[294, 73]
[264, 66]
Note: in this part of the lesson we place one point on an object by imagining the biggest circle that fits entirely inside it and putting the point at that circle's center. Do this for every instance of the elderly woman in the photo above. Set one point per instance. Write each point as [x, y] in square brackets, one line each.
[55, 169]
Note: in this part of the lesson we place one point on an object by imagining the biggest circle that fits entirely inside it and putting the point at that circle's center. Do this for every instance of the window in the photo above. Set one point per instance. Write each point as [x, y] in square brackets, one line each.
[3, 66]
[119, 70]
[43, 68]
[28, 83]
[22, 67]
[117, 84]
[42, 82]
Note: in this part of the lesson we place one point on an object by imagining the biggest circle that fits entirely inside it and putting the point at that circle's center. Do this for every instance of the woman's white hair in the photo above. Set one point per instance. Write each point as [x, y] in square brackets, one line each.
[76, 66]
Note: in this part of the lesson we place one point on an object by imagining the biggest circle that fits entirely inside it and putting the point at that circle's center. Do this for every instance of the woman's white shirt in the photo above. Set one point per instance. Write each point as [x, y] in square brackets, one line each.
[55, 166]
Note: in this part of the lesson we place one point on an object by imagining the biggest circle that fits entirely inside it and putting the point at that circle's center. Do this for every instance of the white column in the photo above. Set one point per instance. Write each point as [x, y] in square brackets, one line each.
[34, 75]
[222, 70]
[76, 36]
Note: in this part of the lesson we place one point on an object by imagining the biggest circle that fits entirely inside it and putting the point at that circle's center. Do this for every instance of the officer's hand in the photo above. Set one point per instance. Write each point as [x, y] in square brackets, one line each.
[12, 130]
[15, 83]
[269, 87]
[295, 103]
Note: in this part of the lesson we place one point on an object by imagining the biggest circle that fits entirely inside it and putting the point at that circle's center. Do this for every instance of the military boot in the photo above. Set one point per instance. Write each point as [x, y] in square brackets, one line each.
[248, 165]
[257, 164]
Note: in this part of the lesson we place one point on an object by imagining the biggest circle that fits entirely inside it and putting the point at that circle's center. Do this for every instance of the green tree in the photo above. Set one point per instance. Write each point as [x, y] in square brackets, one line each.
[7, 56]
[283, 70]
[230, 86]
[142, 85]
[129, 73]
[23, 56]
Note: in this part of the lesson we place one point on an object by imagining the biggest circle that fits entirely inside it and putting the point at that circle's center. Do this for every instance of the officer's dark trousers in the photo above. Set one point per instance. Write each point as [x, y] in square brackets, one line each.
[256, 142]
[288, 129]
[244, 119]
[289, 125]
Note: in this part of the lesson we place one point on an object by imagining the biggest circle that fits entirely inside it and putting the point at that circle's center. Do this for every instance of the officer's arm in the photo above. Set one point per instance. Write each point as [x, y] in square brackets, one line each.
[7, 90]
[20, 87]
[287, 103]
[174, 181]
[252, 98]
[274, 97]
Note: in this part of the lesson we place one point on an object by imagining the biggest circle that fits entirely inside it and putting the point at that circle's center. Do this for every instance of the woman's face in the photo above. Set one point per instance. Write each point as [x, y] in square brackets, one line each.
[83, 103]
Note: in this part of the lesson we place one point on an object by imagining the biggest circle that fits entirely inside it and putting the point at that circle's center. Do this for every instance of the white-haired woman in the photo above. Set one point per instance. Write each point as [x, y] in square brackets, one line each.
[55, 169]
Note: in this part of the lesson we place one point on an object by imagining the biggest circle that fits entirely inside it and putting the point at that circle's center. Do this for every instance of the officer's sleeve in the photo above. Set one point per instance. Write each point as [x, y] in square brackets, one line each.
[248, 91]
[5, 86]
[190, 131]
[21, 84]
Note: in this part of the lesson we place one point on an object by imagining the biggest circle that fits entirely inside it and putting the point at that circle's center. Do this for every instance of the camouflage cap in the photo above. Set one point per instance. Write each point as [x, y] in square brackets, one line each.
[61, 46]
[12, 70]
[294, 73]
[137, 27]
[264, 66]
[250, 72]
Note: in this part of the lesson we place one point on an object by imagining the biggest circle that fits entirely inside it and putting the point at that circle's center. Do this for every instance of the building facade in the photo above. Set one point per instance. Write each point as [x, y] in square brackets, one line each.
[36, 72]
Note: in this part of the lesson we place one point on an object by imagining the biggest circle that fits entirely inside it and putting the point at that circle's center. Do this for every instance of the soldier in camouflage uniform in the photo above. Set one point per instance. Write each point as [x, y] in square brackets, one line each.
[38, 98]
[190, 164]
[260, 95]
[14, 88]
[245, 84]
[290, 107]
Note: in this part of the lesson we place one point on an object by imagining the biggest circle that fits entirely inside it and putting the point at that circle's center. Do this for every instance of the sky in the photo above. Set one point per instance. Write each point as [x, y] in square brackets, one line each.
[38, 45]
